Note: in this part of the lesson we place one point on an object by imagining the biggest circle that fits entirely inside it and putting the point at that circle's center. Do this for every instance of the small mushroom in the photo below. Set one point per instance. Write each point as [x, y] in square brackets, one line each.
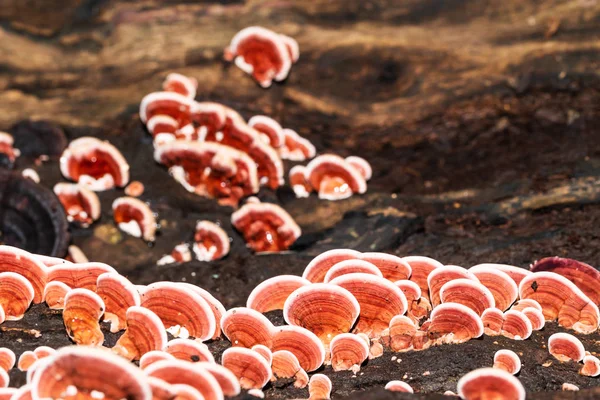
[83, 309]
[272, 293]
[379, 300]
[323, 308]
[316, 270]
[402, 331]
[566, 347]
[492, 320]
[266, 227]
[295, 147]
[334, 178]
[251, 368]
[81, 204]
[350, 267]
[16, 295]
[591, 366]
[469, 293]
[438, 277]
[55, 293]
[181, 84]
[94, 164]
[535, 316]
[209, 118]
[271, 131]
[84, 276]
[153, 356]
[246, 327]
[26, 360]
[27, 265]
[134, 189]
[421, 267]
[7, 359]
[454, 323]
[189, 350]
[211, 242]
[522, 304]
[135, 218]
[286, 365]
[98, 372]
[361, 165]
[180, 254]
[398, 386]
[301, 342]
[118, 294]
[261, 53]
[503, 287]
[516, 274]
[348, 352]
[144, 332]
[490, 383]
[183, 312]
[227, 380]
[319, 387]
[264, 351]
[175, 105]
[163, 129]
[215, 305]
[298, 182]
[508, 361]
[177, 372]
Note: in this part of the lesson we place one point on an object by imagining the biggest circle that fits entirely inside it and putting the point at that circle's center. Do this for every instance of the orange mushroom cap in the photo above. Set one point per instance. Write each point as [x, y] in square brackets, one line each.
[135, 218]
[421, 267]
[266, 227]
[319, 387]
[153, 356]
[492, 320]
[271, 294]
[402, 331]
[562, 299]
[591, 366]
[181, 84]
[316, 270]
[584, 276]
[145, 332]
[209, 117]
[516, 274]
[334, 178]
[270, 130]
[454, 323]
[286, 365]
[26, 360]
[535, 316]
[489, 383]
[411, 290]
[83, 276]
[323, 308]
[304, 344]
[215, 305]
[566, 347]
[522, 304]
[211, 242]
[16, 294]
[174, 105]
[467, 292]
[94, 164]
[348, 351]
[26, 264]
[7, 358]
[264, 351]
[251, 368]
[350, 267]
[189, 350]
[440, 276]
[295, 147]
[262, 53]
[399, 386]
[503, 287]
[227, 379]
[81, 204]
[186, 392]
[161, 390]
[508, 361]
[182, 372]
[55, 293]
[247, 327]
[392, 267]
[83, 309]
[379, 299]
[298, 182]
[163, 128]
[118, 294]
[178, 307]
[98, 371]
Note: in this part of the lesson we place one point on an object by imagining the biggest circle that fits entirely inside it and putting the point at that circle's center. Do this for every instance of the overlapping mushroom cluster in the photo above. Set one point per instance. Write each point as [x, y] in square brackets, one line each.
[346, 308]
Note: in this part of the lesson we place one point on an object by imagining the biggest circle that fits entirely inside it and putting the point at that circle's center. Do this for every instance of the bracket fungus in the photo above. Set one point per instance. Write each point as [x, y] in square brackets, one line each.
[440, 276]
[251, 368]
[182, 372]
[352, 267]
[144, 332]
[348, 352]
[84, 276]
[402, 330]
[508, 361]
[535, 316]
[591, 366]
[295, 147]
[211, 242]
[183, 312]
[181, 84]
[492, 319]
[210, 169]
[392, 268]
[153, 356]
[55, 293]
[100, 373]
[334, 178]
[379, 300]
[361, 165]
[81, 204]
[16, 295]
[319, 387]
[226, 379]
[566, 347]
[83, 309]
[516, 274]
[270, 130]
[261, 53]
[503, 287]
[560, 298]
[490, 383]
[522, 304]
[118, 294]
[246, 327]
[135, 218]
[7, 359]
[215, 305]
[454, 323]
[421, 267]
[399, 386]
[28, 266]
[174, 105]
[298, 182]
[469, 293]
[286, 365]
[305, 345]
[317, 268]
[323, 308]
[266, 227]
[264, 351]
[95, 164]
[271, 294]
[189, 350]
